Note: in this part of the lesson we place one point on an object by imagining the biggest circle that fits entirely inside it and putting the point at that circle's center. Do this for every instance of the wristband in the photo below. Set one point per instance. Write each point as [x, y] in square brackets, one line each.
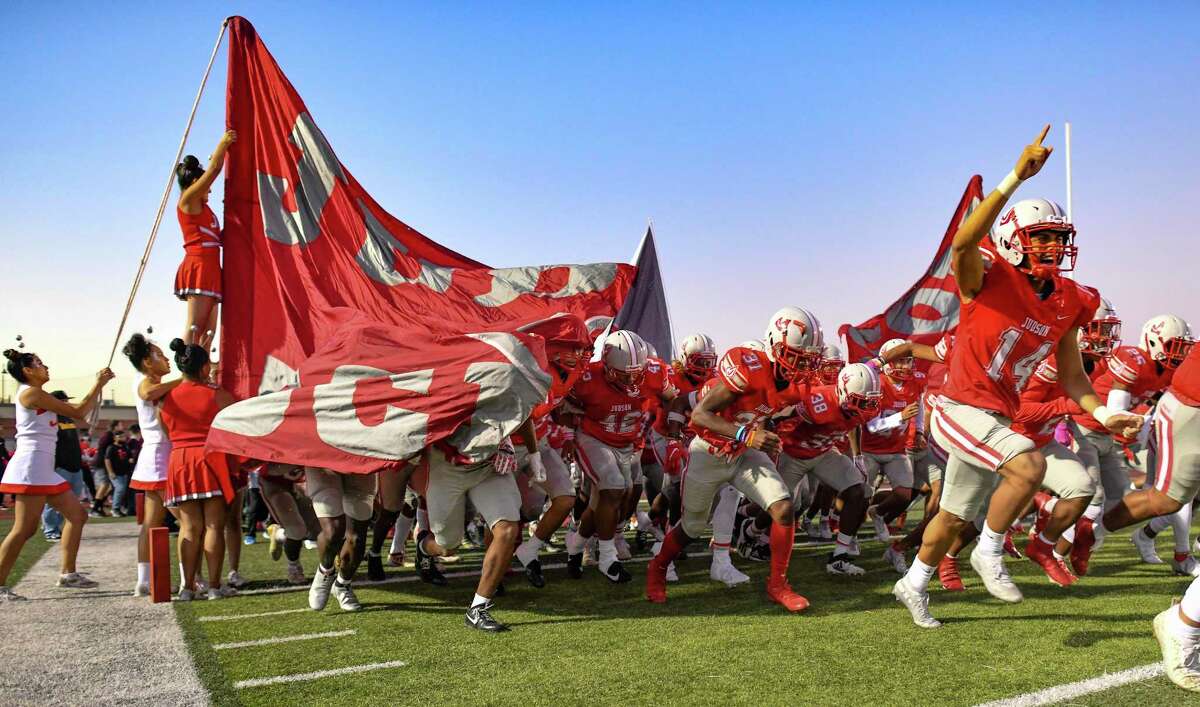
[676, 417]
[1009, 184]
[1102, 414]
[740, 435]
[750, 437]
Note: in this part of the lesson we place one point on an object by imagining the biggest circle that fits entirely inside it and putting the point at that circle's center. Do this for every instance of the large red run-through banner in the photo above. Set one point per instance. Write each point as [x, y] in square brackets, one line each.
[929, 308]
[311, 261]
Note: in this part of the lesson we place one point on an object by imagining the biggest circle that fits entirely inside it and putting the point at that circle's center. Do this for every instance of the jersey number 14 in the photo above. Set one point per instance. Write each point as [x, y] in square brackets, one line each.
[1024, 367]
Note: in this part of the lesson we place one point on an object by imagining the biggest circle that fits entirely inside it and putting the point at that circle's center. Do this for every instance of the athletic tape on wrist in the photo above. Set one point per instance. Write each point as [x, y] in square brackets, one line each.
[1009, 184]
[1101, 414]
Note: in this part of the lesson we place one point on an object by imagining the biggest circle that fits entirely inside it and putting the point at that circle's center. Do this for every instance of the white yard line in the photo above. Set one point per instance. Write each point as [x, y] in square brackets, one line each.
[282, 639]
[1061, 693]
[236, 617]
[302, 677]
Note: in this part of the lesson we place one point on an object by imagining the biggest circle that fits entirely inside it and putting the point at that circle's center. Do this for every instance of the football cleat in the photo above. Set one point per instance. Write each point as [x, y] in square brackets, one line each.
[533, 573]
[842, 566]
[1187, 567]
[656, 582]
[1145, 547]
[916, 602]
[480, 618]
[344, 593]
[755, 551]
[1043, 555]
[726, 573]
[575, 566]
[895, 557]
[948, 574]
[318, 592]
[427, 567]
[616, 573]
[1010, 548]
[1085, 543]
[1181, 657]
[996, 579]
[295, 574]
[779, 592]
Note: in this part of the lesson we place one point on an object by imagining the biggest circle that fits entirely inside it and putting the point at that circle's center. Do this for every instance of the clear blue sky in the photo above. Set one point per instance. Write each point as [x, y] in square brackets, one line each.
[787, 154]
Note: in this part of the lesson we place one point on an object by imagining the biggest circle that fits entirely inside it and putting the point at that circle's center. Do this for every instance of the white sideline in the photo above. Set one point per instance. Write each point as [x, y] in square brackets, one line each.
[235, 617]
[282, 639]
[1060, 693]
[301, 677]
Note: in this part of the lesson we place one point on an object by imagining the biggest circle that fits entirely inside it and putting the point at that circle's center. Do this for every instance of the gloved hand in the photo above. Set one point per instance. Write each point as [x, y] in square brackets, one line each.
[505, 461]
[677, 457]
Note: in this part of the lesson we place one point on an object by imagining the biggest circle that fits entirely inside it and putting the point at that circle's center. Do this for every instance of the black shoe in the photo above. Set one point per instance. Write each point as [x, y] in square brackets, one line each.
[479, 618]
[533, 572]
[575, 566]
[641, 541]
[375, 568]
[617, 574]
[426, 566]
[500, 591]
[756, 552]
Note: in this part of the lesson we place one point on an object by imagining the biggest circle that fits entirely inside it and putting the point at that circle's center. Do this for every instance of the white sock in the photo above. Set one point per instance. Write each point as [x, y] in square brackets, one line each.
[575, 543]
[1069, 535]
[1043, 538]
[479, 601]
[400, 534]
[724, 515]
[918, 575]
[842, 544]
[143, 573]
[608, 554]
[528, 550]
[422, 520]
[1058, 556]
[991, 542]
[1048, 507]
[1093, 511]
[720, 555]
[1180, 521]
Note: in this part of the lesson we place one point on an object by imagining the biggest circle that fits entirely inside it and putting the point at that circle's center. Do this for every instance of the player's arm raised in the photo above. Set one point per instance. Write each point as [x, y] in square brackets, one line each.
[1074, 380]
[968, 263]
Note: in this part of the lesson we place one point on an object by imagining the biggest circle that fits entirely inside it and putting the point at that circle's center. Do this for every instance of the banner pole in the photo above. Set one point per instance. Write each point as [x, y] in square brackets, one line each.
[1070, 204]
[162, 205]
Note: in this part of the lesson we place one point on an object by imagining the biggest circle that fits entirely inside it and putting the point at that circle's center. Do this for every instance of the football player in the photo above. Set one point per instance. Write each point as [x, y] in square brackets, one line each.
[1016, 309]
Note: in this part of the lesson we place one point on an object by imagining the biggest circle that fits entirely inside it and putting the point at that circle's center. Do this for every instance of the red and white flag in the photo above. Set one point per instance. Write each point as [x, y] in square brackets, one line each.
[929, 308]
[304, 244]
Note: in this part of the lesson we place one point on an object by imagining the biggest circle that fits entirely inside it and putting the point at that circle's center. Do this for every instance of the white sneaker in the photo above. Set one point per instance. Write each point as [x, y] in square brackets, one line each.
[344, 593]
[671, 575]
[201, 586]
[881, 529]
[295, 574]
[186, 595]
[7, 594]
[74, 580]
[223, 592]
[1181, 657]
[896, 558]
[916, 602]
[994, 572]
[1187, 568]
[727, 574]
[236, 580]
[842, 566]
[623, 552]
[1145, 548]
[141, 590]
[318, 592]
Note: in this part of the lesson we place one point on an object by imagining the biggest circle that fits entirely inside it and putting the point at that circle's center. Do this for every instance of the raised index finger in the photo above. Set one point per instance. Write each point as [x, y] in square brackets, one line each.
[1041, 137]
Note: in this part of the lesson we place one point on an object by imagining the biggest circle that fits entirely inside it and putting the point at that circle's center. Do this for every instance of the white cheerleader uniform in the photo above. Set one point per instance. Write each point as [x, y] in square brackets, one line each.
[150, 474]
[30, 471]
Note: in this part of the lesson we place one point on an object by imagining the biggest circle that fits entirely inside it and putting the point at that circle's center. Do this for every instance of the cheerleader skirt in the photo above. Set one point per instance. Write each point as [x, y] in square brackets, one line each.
[194, 475]
[199, 274]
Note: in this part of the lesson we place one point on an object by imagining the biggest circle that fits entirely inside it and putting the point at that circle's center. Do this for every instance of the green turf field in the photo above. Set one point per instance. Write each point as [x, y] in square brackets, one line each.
[591, 642]
[31, 553]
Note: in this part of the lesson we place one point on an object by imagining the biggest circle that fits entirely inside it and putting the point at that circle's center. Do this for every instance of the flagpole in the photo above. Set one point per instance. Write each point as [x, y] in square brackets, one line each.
[162, 205]
[1070, 204]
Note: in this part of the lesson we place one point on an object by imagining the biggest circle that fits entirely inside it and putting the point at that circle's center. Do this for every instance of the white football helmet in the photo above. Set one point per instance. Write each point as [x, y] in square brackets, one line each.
[624, 359]
[794, 343]
[902, 368]
[858, 388]
[754, 345]
[832, 361]
[1100, 336]
[1034, 236]
[1167, 338]
[698, 354]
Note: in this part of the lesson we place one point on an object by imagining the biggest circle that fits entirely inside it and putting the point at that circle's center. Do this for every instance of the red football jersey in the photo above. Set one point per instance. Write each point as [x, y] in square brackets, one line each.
[682, 386]
[897, 395]
[748, 375]
[1136, 372]
[819, 424]
[1186, 383]
[611, 415]
[1006, 331]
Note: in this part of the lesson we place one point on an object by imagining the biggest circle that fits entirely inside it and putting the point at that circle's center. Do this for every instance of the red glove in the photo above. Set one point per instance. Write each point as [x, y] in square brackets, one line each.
[677, 457]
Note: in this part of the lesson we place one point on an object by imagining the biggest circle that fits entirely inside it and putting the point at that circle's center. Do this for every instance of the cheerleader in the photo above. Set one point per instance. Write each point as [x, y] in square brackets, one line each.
[198, 483]
[150, 474]
[198, 279]
[30, 474]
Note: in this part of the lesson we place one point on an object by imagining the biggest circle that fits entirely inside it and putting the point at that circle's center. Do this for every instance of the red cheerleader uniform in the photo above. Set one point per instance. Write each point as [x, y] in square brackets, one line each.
[192, 474]
[200, 271]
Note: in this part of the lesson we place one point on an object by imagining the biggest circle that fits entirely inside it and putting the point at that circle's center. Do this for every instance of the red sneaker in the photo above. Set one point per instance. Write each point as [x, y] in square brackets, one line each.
[1081, 551]
[948, 575]
[1043, 554]
[1010, 548]
[656, 582]
[779, 592]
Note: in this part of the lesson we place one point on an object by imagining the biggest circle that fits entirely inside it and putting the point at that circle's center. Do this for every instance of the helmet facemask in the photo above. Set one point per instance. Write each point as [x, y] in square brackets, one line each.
[1175, 351]
[828, 372]
[901, 369]
[699, 366]
[629, 380]
[1100, 337]
[1047, 258]
[861, 403]
[794, 365]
